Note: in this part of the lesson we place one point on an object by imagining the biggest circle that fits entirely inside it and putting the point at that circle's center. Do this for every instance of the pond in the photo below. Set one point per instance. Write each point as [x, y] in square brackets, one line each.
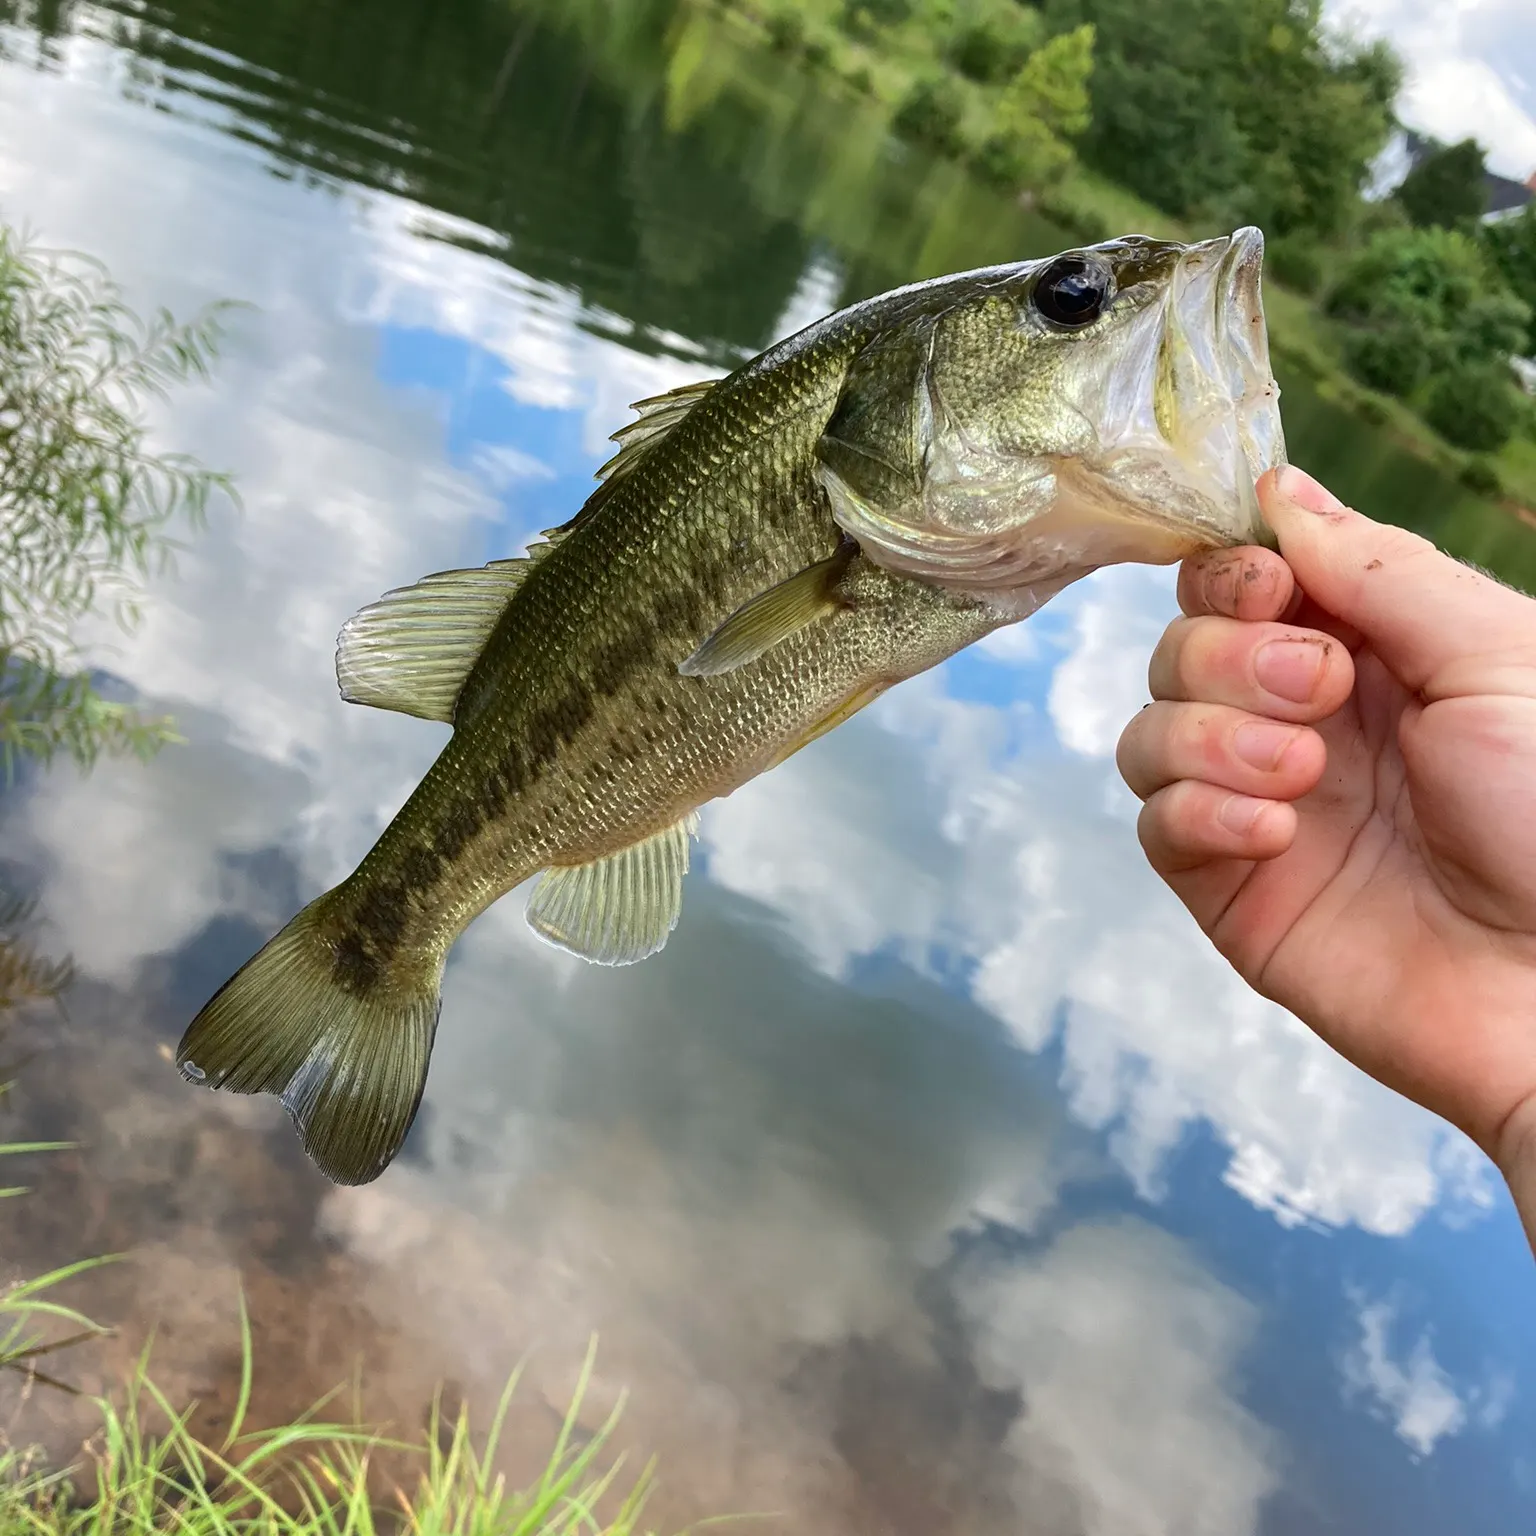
[937, 1177]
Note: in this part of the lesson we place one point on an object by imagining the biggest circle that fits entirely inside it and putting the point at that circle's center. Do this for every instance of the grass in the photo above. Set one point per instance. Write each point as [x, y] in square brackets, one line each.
[146, 1470]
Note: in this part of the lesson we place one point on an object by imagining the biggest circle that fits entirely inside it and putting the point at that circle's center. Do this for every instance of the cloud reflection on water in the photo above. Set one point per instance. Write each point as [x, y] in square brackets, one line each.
[771, 1186]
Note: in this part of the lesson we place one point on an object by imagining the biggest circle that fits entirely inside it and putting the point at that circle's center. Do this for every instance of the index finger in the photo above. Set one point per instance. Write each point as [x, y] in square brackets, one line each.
[1247, 583]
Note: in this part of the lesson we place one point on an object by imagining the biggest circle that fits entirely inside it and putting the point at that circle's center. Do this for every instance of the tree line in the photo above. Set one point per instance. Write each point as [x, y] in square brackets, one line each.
[1220, 112]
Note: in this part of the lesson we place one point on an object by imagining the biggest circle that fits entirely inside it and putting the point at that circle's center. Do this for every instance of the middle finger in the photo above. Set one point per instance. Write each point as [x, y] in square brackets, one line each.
[1213, 744]
[1301, 675]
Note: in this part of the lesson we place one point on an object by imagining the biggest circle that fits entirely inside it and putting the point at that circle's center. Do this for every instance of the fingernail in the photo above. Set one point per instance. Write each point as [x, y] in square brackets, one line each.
[1239, 812]
[1290, 669]
[1262, 743]
[1297, 486]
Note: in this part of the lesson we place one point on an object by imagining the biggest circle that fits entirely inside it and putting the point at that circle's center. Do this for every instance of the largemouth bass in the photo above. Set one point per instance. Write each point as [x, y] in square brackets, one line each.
[765, 554]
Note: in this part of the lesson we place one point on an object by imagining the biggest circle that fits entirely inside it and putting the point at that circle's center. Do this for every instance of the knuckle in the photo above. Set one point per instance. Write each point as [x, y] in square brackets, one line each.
[1182, 643]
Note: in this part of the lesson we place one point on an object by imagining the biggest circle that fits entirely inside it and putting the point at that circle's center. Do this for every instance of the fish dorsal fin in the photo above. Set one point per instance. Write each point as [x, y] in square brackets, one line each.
[412, 650]
[763, 621]
[657, 417]
[619, 909]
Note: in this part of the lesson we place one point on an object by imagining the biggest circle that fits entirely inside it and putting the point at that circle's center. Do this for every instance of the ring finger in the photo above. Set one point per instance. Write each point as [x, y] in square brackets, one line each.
[1272, 669]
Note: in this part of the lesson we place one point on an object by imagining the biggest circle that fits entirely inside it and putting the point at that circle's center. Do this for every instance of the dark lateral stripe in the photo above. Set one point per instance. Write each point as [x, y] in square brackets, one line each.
[379, 921]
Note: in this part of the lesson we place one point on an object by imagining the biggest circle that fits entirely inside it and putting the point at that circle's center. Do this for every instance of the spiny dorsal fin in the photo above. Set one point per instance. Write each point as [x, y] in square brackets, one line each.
[657, 416]
[763, 621]
[619, 909]
[412, 650]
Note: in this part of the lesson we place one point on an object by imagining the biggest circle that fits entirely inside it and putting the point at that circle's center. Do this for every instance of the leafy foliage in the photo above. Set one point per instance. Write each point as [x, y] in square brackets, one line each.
[1446, 188]
[1427, 275]
[1234, 109]
[1511, 247]
[1297, 261]
[1433, 292]
[930, 113]
[1394, 358]
[85, 504]
[1473, 405]
[25, 975]
[1052, 87]
[1428, 311]
[991, 42]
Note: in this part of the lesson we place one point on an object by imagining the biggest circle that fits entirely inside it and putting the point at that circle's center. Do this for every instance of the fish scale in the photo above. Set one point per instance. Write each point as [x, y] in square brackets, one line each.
[763, 556]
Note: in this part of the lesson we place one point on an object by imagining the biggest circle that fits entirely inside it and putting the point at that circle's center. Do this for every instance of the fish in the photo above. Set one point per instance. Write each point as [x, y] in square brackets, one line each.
[763, 556]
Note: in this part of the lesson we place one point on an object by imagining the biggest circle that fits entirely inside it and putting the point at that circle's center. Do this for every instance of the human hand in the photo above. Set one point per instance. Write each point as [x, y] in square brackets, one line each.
[1339, 773]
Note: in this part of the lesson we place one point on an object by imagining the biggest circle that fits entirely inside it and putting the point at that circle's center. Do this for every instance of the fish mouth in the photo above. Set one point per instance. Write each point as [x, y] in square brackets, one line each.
[1216, 400]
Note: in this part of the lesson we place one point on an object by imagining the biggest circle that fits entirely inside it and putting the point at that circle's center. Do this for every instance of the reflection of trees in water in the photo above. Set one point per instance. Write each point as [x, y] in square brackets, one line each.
[25, 975]
[632, 150]
[86, 507]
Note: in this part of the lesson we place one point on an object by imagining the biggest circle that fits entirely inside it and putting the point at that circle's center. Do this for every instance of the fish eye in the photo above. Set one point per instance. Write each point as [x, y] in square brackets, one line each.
[1072, 292]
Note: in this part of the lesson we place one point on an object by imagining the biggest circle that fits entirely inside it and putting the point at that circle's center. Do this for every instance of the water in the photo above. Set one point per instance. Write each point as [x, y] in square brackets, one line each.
[936, 1178]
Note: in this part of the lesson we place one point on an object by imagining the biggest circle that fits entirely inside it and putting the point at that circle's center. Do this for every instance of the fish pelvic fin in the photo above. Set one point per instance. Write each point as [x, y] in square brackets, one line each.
[348, 1060]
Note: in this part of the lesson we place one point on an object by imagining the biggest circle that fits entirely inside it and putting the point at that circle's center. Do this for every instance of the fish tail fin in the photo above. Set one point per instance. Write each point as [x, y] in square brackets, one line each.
[347, 1054]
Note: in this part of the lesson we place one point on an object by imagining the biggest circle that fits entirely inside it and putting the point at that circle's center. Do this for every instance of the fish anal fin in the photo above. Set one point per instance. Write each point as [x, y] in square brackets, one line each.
[770, 617]
[619, 909]
[412, 649]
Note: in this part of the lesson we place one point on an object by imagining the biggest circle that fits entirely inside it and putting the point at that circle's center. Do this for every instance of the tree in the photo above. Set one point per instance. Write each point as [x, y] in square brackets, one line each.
[85, 505]
[993, 38]
[1425, 306]
[1447, 188]
[1511, 247]
[1052, 87]
[1474, 406]
[1234, 109]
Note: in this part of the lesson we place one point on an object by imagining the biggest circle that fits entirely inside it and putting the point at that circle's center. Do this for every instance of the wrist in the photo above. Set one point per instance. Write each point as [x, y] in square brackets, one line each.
[1515, 1154]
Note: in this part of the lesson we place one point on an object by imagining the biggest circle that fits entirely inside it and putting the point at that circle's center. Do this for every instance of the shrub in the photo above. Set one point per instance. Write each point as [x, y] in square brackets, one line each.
[1430, 274]
[992, 47]
[864, 15]
[1026, 154]
[786, 31]
[1511, 247]
[999, 160]
[1085, 225]
[930, 114]
[1393, 358]
[1480, 476]
[1474, 406]
[1297, 262]
[1492, 327]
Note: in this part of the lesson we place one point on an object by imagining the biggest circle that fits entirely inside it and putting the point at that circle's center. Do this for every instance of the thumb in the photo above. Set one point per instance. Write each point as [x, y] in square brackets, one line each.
[1423, 613]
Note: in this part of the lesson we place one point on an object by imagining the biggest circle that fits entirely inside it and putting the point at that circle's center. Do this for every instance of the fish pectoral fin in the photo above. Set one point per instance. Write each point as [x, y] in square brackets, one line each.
[618, 909]
[412, 650]
[763, 621]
